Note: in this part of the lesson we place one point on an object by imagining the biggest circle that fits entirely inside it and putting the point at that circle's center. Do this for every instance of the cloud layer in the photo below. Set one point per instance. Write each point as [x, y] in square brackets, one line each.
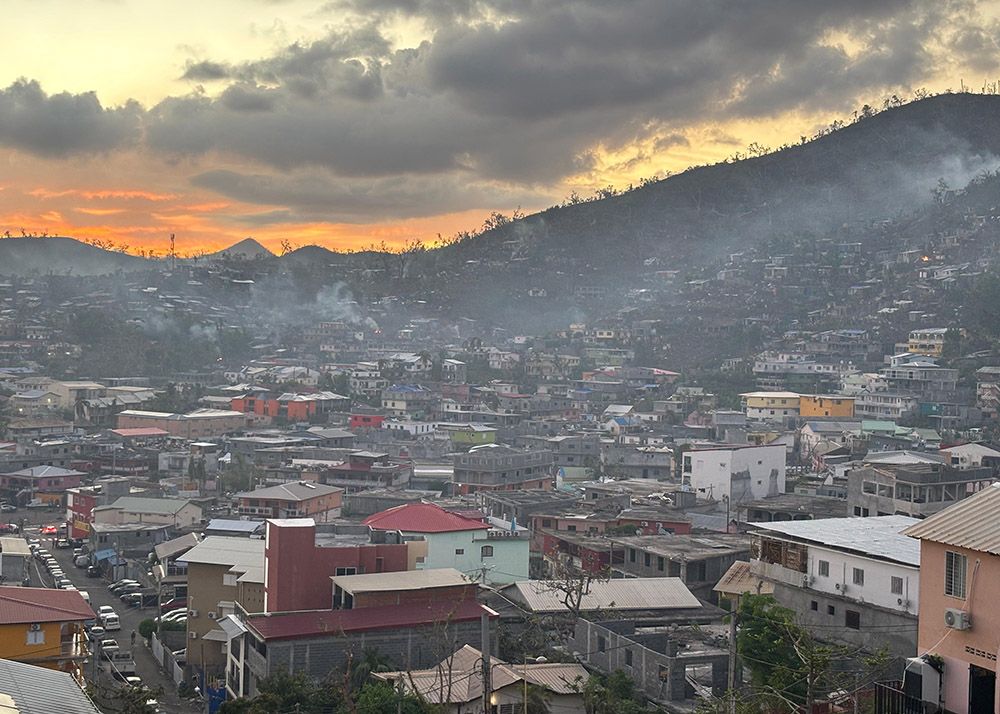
[500, 101]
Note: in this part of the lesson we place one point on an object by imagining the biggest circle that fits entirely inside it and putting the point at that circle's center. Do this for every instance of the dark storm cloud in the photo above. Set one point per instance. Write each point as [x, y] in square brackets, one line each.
[205, 71]
[522, 93]
[314, 196]
[63, 124]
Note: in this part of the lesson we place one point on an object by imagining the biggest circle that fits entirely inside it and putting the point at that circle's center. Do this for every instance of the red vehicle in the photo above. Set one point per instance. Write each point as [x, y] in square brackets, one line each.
[49, 530]
[173, 604]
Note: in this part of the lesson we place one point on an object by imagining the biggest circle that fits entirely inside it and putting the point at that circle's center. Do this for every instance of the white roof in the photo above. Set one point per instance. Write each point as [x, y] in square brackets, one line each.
[404, 580]
[876, 537]
[226, 550]
[623, 594]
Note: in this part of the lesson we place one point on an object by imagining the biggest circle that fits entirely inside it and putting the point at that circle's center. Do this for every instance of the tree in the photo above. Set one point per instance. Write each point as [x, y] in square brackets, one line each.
[571, 582]
[612, 694]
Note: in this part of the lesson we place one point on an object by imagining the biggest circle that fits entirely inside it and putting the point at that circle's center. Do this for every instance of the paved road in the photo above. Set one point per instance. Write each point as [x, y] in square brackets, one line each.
[145, 665]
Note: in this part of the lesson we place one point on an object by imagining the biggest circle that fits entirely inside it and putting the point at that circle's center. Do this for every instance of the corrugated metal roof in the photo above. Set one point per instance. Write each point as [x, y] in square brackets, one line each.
[422, 518]
[738, 580]
[226, 550]
[38, 690]
[877, 537]
[403, 580]
[623, 594]
[971, 523]
[42, 605]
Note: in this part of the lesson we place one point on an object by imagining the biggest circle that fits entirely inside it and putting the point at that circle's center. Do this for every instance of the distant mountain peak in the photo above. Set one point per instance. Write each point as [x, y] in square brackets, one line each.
[246, 248]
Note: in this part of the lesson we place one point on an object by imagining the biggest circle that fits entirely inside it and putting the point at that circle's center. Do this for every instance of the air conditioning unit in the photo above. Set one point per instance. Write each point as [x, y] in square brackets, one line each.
[192, 614]
[193, 635]
[957, 619]
[213, 616]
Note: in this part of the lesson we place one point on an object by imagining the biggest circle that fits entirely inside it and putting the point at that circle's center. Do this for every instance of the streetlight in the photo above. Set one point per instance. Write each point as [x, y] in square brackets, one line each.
[524, 676]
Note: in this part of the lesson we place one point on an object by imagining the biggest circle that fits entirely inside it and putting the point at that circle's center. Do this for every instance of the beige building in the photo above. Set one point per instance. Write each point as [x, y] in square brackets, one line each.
[153, 511]
[222, 572]
[201, 423]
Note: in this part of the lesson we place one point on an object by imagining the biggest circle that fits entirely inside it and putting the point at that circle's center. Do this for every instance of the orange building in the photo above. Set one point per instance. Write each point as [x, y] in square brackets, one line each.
[289, 407]
[815, 405]
[44, 627]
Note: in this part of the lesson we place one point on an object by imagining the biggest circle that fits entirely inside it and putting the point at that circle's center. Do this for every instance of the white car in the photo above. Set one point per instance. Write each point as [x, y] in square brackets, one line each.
[108, 647]
[175, 616]
[96, 633]
[105, 610]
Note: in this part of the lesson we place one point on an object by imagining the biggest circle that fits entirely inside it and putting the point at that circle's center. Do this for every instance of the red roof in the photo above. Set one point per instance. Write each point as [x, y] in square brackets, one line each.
[42, 605]
[422, 518]
[340, 622]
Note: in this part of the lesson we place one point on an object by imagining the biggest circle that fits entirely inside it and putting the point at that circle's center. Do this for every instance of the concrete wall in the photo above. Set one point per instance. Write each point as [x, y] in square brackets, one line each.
[960, 648]
[463, 550]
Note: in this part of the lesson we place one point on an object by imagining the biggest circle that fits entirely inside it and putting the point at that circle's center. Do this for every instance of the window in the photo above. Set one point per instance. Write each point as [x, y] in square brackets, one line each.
[546, 523]
[459, 551]
[486, 551]
[659, 563]
[896, 585]
[646, 559]
[852, 619]
[346, 571]
[955, 565]
[814, 606]
[831, 610]
[36, 635]
[571, 529]
[628, 657]
[631, 555]
[859, 576]
[824, 568]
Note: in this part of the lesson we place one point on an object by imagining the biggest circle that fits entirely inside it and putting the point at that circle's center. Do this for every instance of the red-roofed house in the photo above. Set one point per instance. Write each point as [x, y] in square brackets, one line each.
[487, 549]
[427, 614]
[44, 627]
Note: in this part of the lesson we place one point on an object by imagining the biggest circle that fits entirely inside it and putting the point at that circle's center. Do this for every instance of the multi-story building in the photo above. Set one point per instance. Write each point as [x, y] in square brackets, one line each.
[698, 560]
[855, 580]
[927, 341]
[491, 550]
[45, 483]
[175, 512]
[44, 627]
[734, 474]
[919, 375]
[409, 401]
[201, 423]
[777, 407]
[835, 406]
[891, 406]
[501, 467]
[909, 483]
[222, 572]
[959, 623]
[988, 391]
[295, 499]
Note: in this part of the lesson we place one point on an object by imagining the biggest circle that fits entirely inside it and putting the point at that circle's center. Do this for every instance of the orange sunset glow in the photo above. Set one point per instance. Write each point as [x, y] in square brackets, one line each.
[349, 123]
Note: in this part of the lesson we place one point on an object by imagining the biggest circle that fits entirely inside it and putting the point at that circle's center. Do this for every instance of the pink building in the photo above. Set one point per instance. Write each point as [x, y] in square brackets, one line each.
[299, 562]
[959, 619]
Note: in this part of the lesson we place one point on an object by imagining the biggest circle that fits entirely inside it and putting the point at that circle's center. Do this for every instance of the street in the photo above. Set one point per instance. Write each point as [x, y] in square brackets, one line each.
[146, 667]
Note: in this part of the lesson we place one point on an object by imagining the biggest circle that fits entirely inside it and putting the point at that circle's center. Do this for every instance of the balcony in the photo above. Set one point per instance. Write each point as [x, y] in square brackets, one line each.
[779, 573]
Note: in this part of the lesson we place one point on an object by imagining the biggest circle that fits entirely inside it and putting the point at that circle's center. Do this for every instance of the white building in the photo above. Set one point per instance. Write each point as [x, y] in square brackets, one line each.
[736, 473]
[850, 579]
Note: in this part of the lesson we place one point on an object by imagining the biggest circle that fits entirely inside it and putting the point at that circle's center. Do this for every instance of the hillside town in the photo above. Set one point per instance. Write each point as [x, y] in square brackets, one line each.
[466, 519]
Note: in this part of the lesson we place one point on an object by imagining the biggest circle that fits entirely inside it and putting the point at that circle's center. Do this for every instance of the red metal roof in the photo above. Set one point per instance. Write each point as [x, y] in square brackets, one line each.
[422, 518]
[42, 605]
[340, 622]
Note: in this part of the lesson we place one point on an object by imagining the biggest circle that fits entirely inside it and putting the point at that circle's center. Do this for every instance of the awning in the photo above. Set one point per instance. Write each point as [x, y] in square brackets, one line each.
[233, 627]
[215, 636]
[104, 554]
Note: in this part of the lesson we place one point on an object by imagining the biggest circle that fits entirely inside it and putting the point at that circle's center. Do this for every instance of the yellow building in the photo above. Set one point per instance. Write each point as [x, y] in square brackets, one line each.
[770, 406]
[929, 341]
[815, 405]
[44, 627]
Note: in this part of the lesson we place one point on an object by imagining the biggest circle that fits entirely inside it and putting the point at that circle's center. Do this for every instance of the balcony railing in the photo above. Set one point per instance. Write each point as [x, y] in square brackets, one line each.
[890, 699]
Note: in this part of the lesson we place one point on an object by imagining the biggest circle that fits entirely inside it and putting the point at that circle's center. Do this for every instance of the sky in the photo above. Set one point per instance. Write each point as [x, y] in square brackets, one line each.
[348, 123]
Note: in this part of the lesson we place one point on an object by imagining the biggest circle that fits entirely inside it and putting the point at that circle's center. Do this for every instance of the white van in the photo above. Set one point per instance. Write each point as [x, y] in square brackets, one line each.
[111, 622]
[85, 595]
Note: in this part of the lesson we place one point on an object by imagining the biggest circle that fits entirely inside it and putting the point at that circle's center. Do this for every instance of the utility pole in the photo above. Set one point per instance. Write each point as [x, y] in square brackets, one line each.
[485, 647]
[731, 676]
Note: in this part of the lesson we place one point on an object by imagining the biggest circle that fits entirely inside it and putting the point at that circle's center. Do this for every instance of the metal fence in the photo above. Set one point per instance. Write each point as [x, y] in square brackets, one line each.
[890, 699]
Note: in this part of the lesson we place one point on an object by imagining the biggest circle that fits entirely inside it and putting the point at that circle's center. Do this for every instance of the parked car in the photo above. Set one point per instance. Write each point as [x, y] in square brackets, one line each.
[119, 583]
[7, 508]
[42, 554]
[180, 657]
[63, 583]
[111, 622]
[140, 599]
[93, 571]
[105, 610]
[108, 648]
[174, 615]
[173, 604]
[128, 590]
[81, 561]
[63, 543]
[96, 633]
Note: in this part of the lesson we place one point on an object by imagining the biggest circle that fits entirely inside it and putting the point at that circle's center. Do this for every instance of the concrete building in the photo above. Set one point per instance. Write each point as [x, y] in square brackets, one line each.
[175, 512]
[44, 627]
[959, 620]
[503, 468]
[733, 474]
[222, 573]
[855, 581]
[296, 499]
[489, 549]
[199, 424]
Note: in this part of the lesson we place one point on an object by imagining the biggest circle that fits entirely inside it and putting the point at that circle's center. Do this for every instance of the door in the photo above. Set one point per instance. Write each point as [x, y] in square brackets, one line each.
[982, 690]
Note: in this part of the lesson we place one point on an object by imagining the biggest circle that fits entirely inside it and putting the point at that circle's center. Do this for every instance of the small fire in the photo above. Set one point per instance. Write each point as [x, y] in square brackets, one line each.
[925, 258]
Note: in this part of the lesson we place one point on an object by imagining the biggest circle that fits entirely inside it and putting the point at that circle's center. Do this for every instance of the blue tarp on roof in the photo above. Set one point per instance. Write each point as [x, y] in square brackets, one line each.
[104, 554]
